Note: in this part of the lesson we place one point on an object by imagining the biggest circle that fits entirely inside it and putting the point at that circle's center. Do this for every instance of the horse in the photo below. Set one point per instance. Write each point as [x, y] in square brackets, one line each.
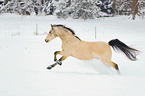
[83, 50]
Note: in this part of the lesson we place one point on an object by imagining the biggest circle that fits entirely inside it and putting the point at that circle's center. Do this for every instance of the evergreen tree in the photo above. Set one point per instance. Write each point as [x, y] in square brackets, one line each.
[106, 6]
[87, 9]
[77, 9]
[26, 7]
[84, 8]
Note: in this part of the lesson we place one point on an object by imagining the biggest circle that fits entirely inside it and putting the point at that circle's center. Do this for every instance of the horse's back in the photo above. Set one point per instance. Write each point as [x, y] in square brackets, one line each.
[99, 46]
[89, 50]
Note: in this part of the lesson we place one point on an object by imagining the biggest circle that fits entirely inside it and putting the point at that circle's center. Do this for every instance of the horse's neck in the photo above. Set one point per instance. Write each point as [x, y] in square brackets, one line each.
[67, 37]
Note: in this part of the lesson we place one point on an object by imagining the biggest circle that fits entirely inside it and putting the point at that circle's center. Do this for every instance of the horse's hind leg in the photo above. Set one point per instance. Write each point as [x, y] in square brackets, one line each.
[110, 63]
[115, 66]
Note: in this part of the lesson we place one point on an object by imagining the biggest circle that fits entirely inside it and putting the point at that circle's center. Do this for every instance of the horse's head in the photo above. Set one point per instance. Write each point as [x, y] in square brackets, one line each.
[51, 35]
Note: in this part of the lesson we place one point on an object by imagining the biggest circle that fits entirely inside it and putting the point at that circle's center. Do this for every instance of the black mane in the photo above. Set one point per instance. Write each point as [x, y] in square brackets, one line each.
[67, 29]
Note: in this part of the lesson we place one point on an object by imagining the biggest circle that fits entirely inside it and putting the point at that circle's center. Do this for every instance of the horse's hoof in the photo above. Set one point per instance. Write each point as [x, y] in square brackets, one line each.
[60, 63]
[49, 67]
[55, 59]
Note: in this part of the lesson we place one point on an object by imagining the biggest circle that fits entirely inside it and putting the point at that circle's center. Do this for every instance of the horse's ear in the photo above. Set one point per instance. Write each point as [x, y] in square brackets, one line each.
[51, 26]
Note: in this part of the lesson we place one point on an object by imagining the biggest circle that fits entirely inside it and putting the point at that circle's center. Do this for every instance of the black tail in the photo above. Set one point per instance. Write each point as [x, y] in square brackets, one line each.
[128, 51]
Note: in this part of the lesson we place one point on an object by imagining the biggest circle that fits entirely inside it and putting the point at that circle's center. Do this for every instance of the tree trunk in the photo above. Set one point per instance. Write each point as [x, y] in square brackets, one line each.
[134, 8]
[43, 2]
[5, 2]
[114, 7]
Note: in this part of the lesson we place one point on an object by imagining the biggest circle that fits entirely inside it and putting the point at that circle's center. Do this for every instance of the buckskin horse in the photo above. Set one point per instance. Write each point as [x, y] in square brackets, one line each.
[83, 50]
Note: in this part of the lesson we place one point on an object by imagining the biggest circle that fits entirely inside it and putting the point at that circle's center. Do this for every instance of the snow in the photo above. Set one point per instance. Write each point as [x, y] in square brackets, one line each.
[24, 58]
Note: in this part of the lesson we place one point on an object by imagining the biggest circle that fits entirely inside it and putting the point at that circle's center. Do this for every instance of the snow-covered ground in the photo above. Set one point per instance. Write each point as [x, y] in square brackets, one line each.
[24, 58]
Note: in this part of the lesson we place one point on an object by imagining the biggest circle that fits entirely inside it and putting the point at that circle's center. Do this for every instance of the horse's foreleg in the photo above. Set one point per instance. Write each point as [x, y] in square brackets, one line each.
[61, 59]
[55, 59]
[57, 62]
[51, 66]
[55, 53]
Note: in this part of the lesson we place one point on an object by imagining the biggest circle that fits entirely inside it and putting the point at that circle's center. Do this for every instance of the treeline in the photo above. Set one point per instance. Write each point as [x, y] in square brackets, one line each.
[86, 9]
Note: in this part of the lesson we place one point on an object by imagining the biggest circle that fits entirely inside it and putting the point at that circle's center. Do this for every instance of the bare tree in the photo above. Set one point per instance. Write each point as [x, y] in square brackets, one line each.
[5, 2]
[134, 8]
[114, 6]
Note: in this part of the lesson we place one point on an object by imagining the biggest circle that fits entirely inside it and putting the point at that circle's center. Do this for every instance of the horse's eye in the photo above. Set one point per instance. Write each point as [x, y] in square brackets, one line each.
[50, 32]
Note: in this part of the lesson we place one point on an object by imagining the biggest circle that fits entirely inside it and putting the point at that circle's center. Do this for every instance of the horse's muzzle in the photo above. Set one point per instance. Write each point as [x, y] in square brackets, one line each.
[46, 41]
